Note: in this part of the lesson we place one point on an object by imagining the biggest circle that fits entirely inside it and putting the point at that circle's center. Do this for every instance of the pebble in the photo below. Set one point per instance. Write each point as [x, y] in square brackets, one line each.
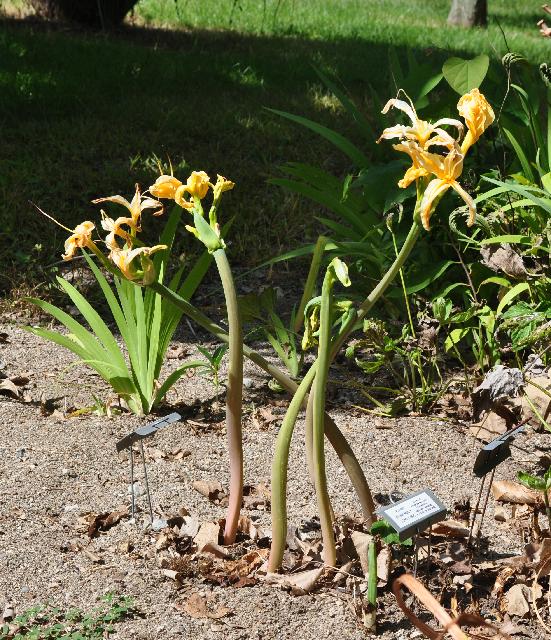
[159, 524]
[138, 490]
[20, 453]
[395, 463]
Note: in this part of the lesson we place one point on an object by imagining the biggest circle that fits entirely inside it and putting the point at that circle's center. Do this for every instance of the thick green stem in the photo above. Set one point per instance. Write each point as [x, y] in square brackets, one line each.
[234, 397]
[335, 437]
[280, 465]
[309, 436]
[318, 429]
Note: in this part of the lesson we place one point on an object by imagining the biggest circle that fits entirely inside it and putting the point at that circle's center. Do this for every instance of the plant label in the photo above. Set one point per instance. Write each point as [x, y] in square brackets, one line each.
[495, 452]
[147, 430]
[414, 514]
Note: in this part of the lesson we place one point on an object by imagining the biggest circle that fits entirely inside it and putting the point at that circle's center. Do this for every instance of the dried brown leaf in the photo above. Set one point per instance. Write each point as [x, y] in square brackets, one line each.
[197, 606]
[509, 491]
[208, 533]
[211, 490]
[298, 583]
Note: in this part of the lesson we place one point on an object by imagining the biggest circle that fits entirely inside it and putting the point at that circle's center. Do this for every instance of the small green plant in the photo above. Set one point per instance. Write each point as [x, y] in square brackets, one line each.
[539, 483]
[46, 622]
[211, 368]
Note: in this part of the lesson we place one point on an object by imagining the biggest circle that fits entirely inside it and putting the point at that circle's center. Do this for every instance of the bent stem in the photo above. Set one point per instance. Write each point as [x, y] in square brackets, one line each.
[279, 472]
[234, 397]
[318, 422]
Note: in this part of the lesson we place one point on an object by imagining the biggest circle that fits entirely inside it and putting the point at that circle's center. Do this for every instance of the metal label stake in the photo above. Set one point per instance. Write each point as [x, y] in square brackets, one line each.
[489, 457]
[412, 515]
[139, 435]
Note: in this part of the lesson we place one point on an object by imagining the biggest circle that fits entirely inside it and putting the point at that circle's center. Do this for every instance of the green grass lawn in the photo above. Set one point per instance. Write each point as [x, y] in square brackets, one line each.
[83, 115]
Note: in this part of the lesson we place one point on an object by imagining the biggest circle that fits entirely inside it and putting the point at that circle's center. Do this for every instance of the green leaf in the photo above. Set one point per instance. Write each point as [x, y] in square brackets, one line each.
[509, 238]
[513, 293]
[454, 337]
[532, 482]
[342, 143]
[174, 377]
[524, 162]
[464, 75]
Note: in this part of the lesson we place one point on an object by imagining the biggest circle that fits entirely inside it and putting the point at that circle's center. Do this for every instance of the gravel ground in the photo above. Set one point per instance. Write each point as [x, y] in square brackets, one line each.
[53, 470]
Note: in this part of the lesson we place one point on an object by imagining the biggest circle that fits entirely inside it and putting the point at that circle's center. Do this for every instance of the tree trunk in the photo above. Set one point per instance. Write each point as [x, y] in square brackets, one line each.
[92, 13]
[469, 13]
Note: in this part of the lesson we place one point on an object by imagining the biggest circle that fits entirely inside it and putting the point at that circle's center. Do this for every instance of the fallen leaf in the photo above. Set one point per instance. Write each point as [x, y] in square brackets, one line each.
[208, 533]
[196, 606]
[517, 600]
[509, 491]
[299, 583]
[450, 529]
[361, 543]
[211, 490]
[96, 522]
[8, 388]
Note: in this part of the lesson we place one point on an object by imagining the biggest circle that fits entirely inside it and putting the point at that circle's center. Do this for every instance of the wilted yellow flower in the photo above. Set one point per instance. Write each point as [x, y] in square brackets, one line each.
[115, 229]
[135, 207]
[415, 171]
[81, 237]
[124, 260]
[221, 185]
[446, 169]
[165, 187]
[420, 131]
[478, 115]
[198, 184]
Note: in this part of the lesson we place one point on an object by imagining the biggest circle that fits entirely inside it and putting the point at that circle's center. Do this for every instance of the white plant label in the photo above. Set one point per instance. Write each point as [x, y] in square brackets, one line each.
[412, 510]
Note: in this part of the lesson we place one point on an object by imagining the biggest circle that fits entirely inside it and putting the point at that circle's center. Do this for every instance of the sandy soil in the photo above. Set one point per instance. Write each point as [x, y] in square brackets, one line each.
[53, 470]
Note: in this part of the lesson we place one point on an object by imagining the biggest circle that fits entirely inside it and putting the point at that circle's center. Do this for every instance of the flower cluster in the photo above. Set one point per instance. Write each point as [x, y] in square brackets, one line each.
[121, 239]
[417, 139]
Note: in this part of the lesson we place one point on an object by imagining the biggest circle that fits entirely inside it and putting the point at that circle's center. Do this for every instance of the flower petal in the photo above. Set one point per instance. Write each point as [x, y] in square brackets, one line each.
[434, 189]
[398, 131]
[452, 122]
[116, 199]
[468, 201]
[403, 106]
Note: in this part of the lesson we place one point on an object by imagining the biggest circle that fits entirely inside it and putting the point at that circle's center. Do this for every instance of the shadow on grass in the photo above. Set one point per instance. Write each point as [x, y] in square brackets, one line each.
[82, 115]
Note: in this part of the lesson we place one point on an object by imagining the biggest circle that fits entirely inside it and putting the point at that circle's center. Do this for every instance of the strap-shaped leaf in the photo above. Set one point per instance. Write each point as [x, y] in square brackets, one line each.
[95, 322]
[342, 143]
[174, 377]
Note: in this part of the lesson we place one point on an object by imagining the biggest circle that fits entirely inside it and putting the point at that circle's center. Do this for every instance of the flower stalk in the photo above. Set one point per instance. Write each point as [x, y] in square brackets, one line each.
[318, 422]
[234, 396]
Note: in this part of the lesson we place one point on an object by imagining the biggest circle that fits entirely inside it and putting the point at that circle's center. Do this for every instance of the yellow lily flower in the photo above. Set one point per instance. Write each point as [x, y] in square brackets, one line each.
[221, 185]
[424, 134]
[446, 169]
[165, 187]
[136, 206]
[420, 131]
[477, 113]
[124, 260]
[198, 184]
[171, 188]
[81, 237]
